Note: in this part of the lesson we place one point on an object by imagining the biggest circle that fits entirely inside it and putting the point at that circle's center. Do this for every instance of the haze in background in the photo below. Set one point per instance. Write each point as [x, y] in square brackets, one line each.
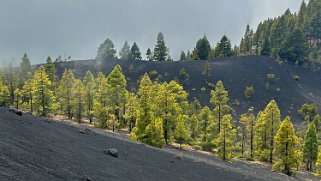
[77, 27]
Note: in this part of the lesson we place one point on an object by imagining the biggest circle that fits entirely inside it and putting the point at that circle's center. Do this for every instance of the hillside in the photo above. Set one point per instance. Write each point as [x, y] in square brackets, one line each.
[40, 149]
[236, 74]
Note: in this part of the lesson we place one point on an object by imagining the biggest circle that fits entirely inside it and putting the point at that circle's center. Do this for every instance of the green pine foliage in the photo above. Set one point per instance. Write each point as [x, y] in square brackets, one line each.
[310, 146]
[25, 70]
[43, 95]
[154, 133]
[220, 100]
[135, 53]
[292, 37]
[65, 93]
[181, 132]
[285, 147]
[116, 88]
[50, 70]
[89, 93]
[226, 138]
[4, 94]
[101, 108]
[106, 51]
[202, 48]
[160, 50]
[78, 99]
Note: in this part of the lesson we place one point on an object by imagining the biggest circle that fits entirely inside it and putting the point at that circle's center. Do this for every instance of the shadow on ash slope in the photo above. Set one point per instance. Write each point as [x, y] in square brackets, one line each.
[35, 148]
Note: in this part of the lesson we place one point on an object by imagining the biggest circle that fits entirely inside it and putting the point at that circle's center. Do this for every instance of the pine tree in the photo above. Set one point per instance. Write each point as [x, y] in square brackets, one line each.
[195, 54]
[125, 53]
[167, 109]
[247, 42]
[195, 107]
[266, 47]
[205, 128]
[135, 53]
[78, 95]
[181, 132]
[261, 137]
[203, 48]
[131, 109]
[154, 133]
[65, 89]
[301, 14]
[116, 86]
[188, 55]
[145, 113]
[310, 146]
[11, 81]
[50, 70]
[43, 96]
[28, 94]
[207, 69]
[223, 48]
[25, 70]
[160, 50]
[90, 88]
[285, 145]
[17, 98]
[220, 100]
[4, 95]
[308, 111]
[101, 109]
[106, 51]
[295, 48]
[193, 123]
[247, 132]
[149, 55]
[183, 56]
[273, 120]
[225, 141]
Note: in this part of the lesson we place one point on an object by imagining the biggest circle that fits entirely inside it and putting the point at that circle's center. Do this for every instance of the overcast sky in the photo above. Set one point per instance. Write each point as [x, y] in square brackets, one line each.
[77, 27]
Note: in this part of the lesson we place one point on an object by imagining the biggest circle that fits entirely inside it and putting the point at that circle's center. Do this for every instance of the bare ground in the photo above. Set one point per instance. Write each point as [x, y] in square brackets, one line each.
[35, 148]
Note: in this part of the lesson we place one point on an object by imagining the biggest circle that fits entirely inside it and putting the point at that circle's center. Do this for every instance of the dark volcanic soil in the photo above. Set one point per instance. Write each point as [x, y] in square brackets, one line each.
[236, 73]
[39, 149]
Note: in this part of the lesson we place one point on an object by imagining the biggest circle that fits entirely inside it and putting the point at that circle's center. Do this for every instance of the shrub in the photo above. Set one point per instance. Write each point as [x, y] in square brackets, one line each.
[203, 89]
[270, 77]
[249, 90]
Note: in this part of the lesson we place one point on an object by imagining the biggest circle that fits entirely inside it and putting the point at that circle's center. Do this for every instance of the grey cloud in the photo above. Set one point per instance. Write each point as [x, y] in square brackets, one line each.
[77, 27]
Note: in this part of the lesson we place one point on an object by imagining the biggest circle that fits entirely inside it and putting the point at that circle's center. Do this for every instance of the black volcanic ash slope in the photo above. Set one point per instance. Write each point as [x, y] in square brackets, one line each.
[236, 74]
[35, 149]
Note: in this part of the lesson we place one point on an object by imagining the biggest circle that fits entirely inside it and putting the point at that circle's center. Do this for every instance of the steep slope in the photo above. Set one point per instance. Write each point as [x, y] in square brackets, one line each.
[40, 149]
[236, 74]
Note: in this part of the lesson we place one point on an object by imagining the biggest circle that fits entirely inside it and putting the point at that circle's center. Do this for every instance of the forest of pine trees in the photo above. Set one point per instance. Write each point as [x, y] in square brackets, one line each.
[160, 113]
[291, 37]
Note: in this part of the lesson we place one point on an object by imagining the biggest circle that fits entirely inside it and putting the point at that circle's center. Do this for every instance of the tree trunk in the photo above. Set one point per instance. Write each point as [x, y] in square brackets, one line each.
[31, 104]
[224, 146]
[252, 135]
[43, 103]
[165, 131]
[219, 119]
[271, 143]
